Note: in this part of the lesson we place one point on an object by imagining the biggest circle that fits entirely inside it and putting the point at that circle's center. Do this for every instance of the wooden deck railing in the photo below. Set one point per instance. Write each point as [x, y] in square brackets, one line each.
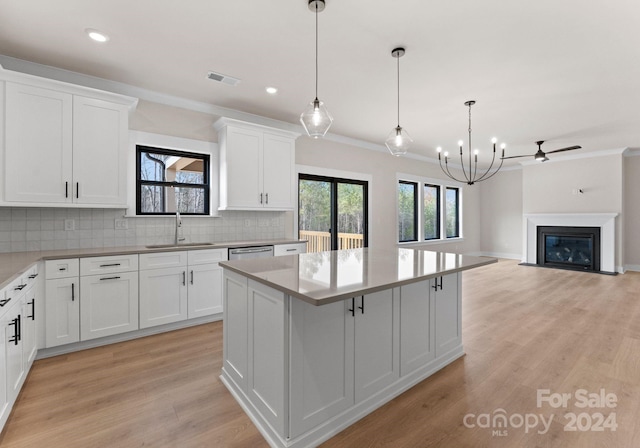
[319, 241]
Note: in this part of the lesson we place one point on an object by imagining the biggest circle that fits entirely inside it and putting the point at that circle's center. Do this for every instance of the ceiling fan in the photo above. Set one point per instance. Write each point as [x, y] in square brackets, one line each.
[541, 155]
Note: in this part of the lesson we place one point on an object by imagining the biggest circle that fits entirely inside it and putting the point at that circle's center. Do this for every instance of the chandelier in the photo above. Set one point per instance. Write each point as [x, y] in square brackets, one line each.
[470, 174]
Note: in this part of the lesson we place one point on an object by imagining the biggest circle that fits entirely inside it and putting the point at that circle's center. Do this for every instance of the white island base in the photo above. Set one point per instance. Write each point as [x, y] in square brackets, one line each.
[304, 372]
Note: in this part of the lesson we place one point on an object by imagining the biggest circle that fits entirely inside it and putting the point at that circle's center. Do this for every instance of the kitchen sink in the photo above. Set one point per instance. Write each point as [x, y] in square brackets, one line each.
[166, 246]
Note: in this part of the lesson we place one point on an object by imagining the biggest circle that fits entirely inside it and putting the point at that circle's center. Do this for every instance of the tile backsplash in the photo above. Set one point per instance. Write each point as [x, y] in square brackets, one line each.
[35, 229]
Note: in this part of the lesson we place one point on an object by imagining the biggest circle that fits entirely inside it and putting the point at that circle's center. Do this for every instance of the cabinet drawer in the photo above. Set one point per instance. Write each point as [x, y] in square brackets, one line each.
[69, 267]
[163, 260]
[108, 265]
[207, 256]
[29, 276]
[289, 249]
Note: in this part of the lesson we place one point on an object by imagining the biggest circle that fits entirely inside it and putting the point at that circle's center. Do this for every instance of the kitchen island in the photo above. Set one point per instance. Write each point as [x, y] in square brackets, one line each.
[314, 342]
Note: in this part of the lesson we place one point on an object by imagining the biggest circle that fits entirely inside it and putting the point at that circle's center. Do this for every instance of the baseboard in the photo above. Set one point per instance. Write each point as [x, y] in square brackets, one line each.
[83, 345]
[631, 267]
[497, 255]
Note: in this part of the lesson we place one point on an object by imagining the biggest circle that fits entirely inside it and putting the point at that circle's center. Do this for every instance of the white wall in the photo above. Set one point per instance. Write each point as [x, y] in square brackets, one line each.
[632, 212]
[501, 214]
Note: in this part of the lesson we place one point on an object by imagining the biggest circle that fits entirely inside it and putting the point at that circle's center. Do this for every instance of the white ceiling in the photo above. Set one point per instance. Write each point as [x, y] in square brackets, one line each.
[563, 71]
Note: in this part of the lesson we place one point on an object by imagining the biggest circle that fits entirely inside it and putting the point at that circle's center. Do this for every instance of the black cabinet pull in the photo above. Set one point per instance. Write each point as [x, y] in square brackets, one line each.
[435, 284]
[267, 196]
[361, 308]
[192, 277]
[33, 309]
[3, 302]
[16, 330]
[19, 287]
[66, 189]
[62, 269]
[261, 198]
[110, 278]
[73, 292]
[77, 190]
[440, 283]
[184, 278]
[353, 307]
[109, 265]
[32, 276]
[15, 337]
[19, 328]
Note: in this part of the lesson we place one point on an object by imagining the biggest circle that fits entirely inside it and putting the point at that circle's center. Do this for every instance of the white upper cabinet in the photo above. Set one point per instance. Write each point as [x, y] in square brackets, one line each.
[64, 145]
[100, 137]
[38, 144]
[257, 166]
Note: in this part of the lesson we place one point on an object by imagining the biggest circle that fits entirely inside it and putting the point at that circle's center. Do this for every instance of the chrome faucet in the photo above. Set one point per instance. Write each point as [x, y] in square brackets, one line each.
[178, 227]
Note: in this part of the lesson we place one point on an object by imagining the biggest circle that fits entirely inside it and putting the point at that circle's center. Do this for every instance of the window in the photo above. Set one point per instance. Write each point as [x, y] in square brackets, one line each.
[407, 211]
[427, 210]
[431, 210]
[452, 209]
[332, 212]
[169, 180]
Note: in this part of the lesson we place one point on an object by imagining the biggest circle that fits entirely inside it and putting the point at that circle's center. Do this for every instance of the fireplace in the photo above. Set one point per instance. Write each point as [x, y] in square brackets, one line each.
[606, 222]
[569, 247]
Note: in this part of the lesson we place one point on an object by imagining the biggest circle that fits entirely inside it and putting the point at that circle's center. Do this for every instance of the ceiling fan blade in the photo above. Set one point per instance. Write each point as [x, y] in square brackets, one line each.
[564, 149]
[515, 157]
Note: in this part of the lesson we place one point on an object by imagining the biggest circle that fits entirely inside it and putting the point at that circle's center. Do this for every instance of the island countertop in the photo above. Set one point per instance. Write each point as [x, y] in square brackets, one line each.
[325, 277]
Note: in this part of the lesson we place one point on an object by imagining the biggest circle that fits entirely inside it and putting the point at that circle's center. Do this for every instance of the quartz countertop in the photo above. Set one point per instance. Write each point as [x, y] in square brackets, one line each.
[13, 264]
[326, 277]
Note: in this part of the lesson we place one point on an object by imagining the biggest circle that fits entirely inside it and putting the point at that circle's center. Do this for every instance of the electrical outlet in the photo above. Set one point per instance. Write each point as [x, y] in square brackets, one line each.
[247, 223]
[69, 224]
[121, 224]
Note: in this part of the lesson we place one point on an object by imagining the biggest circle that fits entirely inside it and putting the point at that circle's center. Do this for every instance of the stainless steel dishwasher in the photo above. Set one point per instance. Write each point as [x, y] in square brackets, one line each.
[242, 253]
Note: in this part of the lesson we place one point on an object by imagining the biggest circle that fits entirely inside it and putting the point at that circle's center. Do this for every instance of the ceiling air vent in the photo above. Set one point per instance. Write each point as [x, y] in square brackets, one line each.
[225, 79]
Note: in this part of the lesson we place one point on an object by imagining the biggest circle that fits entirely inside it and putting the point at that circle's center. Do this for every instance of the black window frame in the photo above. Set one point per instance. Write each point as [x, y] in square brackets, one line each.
[334, 181]
[438, 212]
[206, 186]
[416, 198]
[457, 210]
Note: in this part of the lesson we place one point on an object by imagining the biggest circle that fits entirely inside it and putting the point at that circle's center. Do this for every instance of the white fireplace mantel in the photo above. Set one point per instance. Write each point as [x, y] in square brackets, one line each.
[606, 222]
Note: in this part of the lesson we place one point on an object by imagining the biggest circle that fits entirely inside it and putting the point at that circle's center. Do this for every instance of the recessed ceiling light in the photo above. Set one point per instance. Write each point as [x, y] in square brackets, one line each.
[96, 35]
[271, 90]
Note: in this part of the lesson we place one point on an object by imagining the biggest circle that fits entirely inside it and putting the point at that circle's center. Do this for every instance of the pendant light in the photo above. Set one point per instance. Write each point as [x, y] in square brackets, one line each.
[398, 141]
[316, 119]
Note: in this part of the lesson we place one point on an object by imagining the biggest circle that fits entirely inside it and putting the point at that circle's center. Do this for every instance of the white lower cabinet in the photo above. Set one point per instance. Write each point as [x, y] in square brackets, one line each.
[4, 396]
[163, 296]
[62, 302]
[322, 363]
[341, 354]
[236, 328]
[430, 321]
[175, 286]
[108, 304]
[15, 368]
[448, 312]
[376, 342]
[17, 337]
[303, 370]
[205, 282]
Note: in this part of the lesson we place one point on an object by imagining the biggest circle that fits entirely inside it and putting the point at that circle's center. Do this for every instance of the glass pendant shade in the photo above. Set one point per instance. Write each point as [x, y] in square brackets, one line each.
[316, 119]
[398, 141]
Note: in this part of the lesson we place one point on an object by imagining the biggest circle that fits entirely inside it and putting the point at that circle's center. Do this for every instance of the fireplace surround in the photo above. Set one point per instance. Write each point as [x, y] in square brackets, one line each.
[606, 222]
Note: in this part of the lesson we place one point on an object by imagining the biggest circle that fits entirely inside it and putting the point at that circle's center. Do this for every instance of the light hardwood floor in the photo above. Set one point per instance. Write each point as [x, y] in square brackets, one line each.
[524, 329]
